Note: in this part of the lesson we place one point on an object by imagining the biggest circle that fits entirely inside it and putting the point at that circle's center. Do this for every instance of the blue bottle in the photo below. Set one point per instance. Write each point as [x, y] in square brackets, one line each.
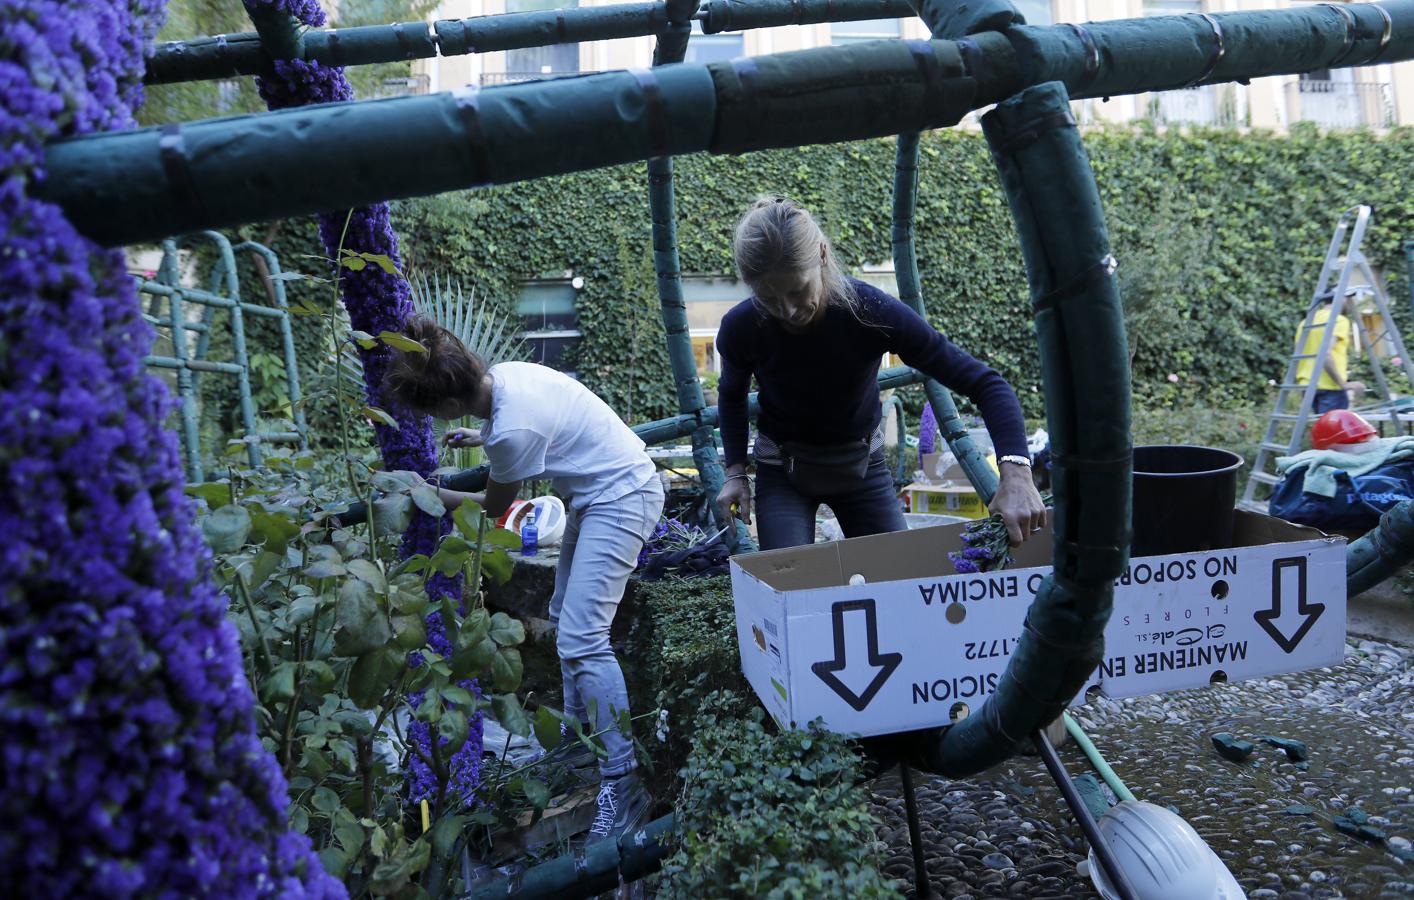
[529, 535]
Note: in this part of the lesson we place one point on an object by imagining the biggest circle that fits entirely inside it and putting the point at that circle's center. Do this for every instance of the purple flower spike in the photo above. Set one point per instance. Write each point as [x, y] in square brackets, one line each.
[927, 430]
[965, 567]
[131, 762]
[378, 301]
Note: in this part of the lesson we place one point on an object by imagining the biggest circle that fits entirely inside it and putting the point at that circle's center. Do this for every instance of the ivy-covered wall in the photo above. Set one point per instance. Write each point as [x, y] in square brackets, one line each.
[1227, 229]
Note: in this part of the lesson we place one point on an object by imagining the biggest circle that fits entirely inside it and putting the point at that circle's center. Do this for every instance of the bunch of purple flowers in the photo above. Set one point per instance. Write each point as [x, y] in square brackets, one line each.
[927, 430]
[986, 547]
[131, 763]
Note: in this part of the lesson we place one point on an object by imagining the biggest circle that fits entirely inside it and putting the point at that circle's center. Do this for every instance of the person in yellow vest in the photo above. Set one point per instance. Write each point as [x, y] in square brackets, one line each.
[1333, 391]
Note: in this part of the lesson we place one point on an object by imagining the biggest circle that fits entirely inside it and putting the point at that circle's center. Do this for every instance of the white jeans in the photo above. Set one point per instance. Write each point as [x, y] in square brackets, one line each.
[597, 554]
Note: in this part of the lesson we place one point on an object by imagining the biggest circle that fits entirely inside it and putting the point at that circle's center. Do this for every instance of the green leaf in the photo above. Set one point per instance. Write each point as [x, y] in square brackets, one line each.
[274, 529]
[507, 710]
[506, 631]
[367, 571]
[382, 261]
[393, 482]
[373, 674]
[537, 792]
[503, 537]
[401, 342]
[465, 517]
[214, 493]
[413, 564]
[393, 874]
[507, 669]
[259, 570]
[427, 500]
[452, 728]
[279, 685]
[458, 696]
[410, 631]
[380, 416]
[226, 529]
[320, 675]
[476, 625]
[445, 835]
[325, 800]
[364, 339]
[547, 728]
[451, 555]
[409, 602]
[362, 626]
[353, 263]
[299, 819]
[326, 562]
[392, 514]
[498, 565]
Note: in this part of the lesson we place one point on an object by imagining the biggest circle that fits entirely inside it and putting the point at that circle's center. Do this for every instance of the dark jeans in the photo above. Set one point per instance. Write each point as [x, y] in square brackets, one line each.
[1325, 401]
[786, 518]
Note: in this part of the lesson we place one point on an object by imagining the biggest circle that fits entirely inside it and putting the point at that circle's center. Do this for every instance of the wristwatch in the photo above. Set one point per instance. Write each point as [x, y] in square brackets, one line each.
[1017, 460]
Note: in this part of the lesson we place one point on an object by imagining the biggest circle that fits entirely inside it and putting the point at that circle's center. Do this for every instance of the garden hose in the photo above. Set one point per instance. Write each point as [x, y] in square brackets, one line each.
[1092, 753]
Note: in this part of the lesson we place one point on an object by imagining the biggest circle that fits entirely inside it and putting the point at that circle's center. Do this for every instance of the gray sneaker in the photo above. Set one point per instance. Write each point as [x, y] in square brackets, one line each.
[622, 802]
[572, 752]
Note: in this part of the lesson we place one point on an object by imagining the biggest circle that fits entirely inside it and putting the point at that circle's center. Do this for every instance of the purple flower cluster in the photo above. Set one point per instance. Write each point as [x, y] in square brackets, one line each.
[129, 759]
[927, 430]
[376, 301]
[986, 547]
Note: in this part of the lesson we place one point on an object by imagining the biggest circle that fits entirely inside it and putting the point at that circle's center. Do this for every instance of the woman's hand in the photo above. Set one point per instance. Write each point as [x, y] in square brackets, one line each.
[736, 492]
[463, 437]
[1018, 503]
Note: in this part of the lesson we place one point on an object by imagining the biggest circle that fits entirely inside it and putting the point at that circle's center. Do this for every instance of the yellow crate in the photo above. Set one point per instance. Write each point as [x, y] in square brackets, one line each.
[946, 501]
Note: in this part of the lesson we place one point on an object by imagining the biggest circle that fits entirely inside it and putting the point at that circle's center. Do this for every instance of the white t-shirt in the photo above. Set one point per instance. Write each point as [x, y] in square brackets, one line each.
[545, 424]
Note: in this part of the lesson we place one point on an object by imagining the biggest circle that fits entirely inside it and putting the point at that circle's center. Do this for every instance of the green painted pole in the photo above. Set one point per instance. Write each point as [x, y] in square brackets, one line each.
[973, 463]
[142, 184]
[287, 338]
[228, 56]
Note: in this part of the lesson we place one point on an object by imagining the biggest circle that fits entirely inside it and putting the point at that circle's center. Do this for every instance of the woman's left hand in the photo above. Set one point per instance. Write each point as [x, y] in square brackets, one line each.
[1018, 503]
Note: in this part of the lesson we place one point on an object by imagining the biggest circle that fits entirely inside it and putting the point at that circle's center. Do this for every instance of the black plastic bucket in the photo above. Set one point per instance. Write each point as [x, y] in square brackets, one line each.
[1183, 498]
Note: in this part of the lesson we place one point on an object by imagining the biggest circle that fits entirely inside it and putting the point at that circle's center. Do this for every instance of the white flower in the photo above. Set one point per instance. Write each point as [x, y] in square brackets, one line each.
[1173, 378]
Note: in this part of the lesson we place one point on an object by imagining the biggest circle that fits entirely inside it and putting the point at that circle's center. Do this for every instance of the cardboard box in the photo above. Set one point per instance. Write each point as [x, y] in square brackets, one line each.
[949, 494]
[900, 651]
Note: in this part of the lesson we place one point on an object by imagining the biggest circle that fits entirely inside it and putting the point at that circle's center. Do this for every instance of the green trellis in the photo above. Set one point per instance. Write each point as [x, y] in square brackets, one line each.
[167, 306]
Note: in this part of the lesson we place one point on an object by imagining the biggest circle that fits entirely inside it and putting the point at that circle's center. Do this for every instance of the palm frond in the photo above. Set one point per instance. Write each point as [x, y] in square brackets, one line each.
[486, 333]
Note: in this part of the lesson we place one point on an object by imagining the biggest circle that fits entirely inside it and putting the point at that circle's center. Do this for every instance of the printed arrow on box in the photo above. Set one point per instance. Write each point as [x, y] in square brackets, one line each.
[841, 673]
[1288, 622]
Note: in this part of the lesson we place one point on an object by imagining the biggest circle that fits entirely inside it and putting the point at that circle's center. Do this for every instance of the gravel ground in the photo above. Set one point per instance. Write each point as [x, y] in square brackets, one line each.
[1010, 835]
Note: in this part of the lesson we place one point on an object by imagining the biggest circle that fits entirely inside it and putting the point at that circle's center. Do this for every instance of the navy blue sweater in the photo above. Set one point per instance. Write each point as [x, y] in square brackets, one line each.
[822, 386]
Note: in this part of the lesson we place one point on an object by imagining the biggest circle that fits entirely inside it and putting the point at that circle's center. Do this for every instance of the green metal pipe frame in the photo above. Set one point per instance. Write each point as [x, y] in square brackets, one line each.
[142, 184]
[189, 365]
[1098, 762]
[973, 463]
[231, 55]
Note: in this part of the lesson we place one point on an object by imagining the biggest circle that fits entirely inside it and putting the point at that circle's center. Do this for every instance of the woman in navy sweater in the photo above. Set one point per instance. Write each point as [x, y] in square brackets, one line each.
[814, 340]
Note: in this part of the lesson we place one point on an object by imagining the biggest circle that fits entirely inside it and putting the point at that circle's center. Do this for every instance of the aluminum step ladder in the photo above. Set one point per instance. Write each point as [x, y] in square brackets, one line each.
[1347, 282]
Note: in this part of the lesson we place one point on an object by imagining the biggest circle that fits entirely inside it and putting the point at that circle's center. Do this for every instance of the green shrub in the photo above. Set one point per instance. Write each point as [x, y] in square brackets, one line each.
[771, 815]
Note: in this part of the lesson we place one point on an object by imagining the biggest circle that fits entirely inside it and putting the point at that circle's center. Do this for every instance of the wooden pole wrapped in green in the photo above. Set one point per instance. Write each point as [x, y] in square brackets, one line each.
[230, 55]
[1085, 368]
[973, 463]
[739, 15]
[1383, 551]
[124, 187]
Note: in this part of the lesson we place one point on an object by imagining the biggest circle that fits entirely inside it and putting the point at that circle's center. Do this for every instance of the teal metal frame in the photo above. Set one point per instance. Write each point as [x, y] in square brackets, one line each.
[222, 293]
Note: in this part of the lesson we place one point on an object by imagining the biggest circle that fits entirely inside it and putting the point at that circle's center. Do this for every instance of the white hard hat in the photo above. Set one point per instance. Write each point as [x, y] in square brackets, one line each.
[1162, 856]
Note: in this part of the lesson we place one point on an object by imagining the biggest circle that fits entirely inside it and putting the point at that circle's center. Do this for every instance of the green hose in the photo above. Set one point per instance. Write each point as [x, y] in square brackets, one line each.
[1092, 753]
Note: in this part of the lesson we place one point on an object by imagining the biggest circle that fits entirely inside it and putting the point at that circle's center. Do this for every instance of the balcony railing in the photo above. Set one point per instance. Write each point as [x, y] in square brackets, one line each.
[1340, 104]
[404, 86]
[493, 78]
[1207, 104]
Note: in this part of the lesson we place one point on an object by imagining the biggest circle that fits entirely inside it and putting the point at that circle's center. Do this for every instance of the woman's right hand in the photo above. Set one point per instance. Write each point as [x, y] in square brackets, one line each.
[736, 492]
[463, 437]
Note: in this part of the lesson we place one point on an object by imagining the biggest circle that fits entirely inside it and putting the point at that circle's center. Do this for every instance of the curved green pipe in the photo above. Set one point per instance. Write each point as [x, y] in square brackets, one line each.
[973, 463]
[1055, 204]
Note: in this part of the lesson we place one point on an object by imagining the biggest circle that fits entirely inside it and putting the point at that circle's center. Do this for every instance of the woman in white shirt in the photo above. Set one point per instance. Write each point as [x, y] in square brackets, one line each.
[543, 424]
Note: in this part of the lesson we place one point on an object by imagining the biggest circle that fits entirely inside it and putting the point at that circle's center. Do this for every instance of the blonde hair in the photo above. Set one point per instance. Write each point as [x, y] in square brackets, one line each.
[776, 235]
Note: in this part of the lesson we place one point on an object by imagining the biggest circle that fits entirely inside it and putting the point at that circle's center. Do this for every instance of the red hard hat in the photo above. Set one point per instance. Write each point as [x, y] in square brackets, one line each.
[1340, 426]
